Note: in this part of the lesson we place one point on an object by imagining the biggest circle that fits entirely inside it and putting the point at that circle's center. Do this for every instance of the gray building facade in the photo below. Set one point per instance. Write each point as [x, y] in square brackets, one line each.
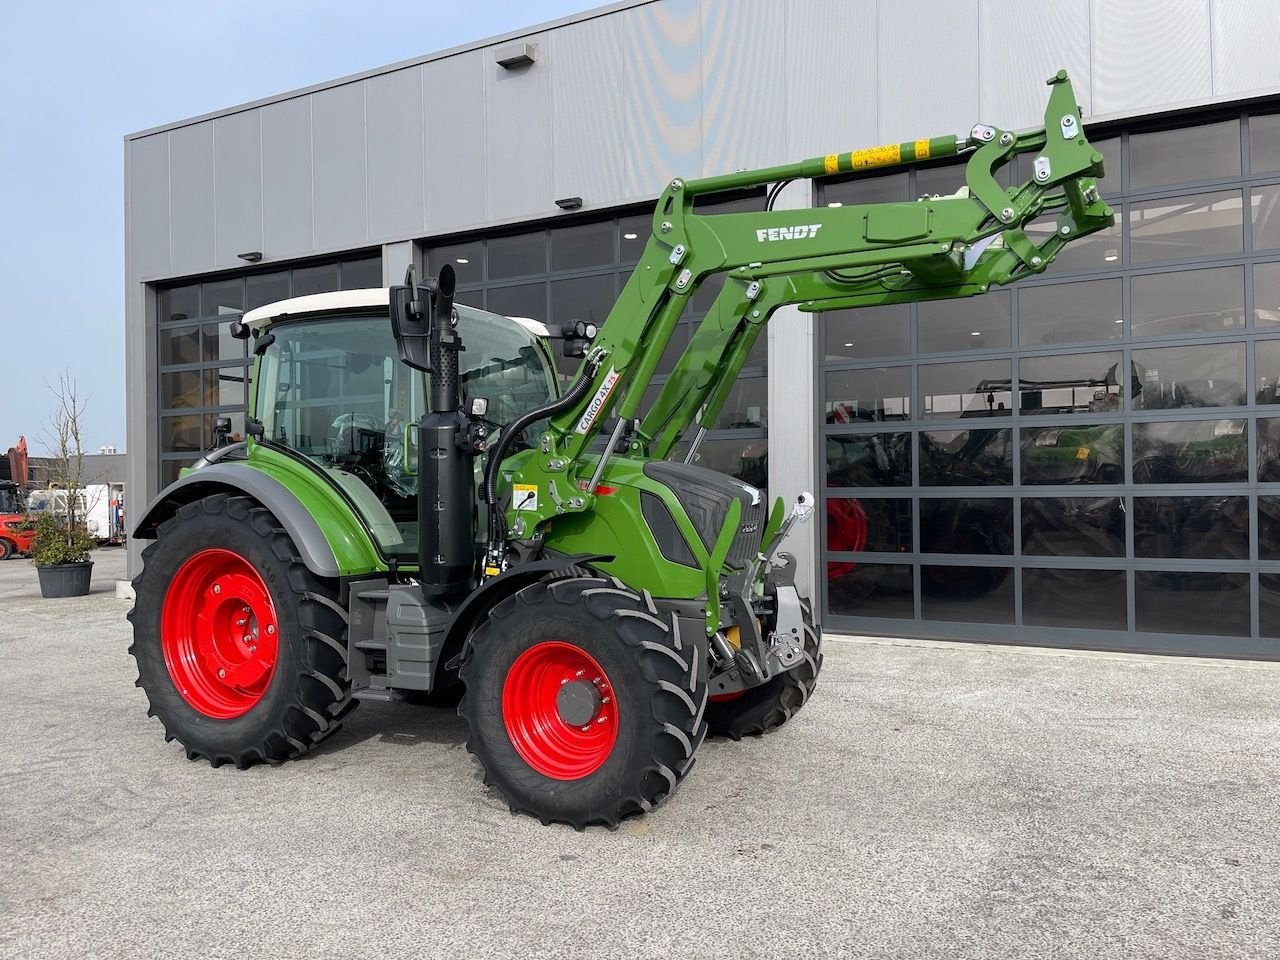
[1122, 490]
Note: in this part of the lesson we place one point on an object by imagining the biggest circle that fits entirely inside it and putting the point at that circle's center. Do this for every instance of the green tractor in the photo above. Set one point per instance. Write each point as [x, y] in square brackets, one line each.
[418, 511]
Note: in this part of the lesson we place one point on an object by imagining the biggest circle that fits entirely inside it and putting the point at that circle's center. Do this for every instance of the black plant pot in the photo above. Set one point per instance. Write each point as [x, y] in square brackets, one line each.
[65, 579]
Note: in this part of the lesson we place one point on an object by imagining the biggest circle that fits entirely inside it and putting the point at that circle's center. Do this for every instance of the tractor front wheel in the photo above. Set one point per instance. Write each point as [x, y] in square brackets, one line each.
[583, 705]
[240, 649]
[760, 709]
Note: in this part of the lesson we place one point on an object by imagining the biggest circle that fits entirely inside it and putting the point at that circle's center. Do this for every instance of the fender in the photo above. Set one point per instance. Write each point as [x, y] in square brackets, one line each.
[492, 592]
[266, 490]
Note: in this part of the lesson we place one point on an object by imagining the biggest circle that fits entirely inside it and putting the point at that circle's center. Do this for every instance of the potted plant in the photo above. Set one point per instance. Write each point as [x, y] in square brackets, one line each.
[63, 545]
[61, 555]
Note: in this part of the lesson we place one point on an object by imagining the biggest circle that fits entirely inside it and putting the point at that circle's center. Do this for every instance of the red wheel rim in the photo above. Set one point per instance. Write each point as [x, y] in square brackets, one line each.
[219, 633]
[549, 685]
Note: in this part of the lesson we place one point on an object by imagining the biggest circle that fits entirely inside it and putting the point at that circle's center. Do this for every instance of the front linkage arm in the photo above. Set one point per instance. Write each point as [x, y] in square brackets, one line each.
[820, 259]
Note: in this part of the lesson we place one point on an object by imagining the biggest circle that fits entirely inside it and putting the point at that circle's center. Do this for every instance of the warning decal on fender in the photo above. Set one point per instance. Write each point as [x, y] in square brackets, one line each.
[524, 496]
[598, 401]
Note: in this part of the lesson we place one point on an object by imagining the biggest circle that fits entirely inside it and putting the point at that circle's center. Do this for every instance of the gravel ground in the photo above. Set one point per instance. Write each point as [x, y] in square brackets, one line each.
[931, 801]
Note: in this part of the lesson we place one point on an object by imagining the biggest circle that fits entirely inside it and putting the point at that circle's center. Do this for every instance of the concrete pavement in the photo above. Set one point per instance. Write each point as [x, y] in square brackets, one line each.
[931, 801]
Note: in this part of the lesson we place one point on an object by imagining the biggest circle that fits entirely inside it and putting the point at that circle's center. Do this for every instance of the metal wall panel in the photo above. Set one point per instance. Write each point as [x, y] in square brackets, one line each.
[393, 103]
[237, 180]
[663, 112]
[339, 200]
[1246, 37]
[588, 140]
[147, 166]
[928, 63]
[744, 85]
[1021, 44]
[454, 107]
[191, 212]
[518, 137]
[830, 77]
[1150, 52]
[286, 178]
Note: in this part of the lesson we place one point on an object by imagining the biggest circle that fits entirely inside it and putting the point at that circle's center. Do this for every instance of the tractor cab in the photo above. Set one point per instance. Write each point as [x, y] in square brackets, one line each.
[330, 389]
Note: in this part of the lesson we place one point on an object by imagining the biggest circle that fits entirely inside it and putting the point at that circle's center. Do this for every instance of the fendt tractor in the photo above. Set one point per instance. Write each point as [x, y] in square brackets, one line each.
[418, 511]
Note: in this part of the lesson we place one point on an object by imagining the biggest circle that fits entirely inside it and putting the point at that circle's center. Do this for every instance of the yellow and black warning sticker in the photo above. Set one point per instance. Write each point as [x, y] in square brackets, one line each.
[882, 156]
[524, 496]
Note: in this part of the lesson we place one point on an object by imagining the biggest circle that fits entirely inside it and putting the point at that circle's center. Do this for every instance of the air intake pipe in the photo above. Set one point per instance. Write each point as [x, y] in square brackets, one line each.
[446, 497]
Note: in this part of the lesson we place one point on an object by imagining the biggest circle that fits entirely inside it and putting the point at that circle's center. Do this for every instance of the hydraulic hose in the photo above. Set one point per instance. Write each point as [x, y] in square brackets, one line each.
[498, 452]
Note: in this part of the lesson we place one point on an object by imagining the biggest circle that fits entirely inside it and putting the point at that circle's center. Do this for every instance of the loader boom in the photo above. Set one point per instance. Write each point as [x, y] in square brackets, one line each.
[818, 259]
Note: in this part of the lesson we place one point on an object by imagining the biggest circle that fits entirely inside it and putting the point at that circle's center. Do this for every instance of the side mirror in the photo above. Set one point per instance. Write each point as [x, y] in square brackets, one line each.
[411, 323]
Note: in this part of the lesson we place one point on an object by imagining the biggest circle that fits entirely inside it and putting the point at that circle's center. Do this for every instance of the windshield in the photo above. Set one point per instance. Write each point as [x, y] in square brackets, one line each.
[333, 389]
[11, 500]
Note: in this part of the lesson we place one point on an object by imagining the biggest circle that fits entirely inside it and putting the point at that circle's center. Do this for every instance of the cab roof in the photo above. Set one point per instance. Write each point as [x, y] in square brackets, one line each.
[341, 300]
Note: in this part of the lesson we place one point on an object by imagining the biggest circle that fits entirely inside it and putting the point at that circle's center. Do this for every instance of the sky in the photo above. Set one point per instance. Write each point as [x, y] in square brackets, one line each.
[76, 76]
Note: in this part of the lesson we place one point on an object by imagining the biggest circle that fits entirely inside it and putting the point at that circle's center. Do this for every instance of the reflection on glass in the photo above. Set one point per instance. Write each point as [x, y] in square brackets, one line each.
[633, 233]
[518, 256]
[1264, 143]
[219, 344]
[582, 245]
[1075, 454]
[892, 188]
[223, 297]
[966, 323]
[1268, 450]
[1210, 375]
[1266, 294]
[869, 460]
[876, 393]
[181, 389]
[170, 469]
[746, 406]
[746, 458]
[227, 386]
[1176, 228]
[525, 300]
[180, 345]
[467, 260]
[1203, 451]
[978, 388]
[868, 524]
[1082, 599]
[963, 458]
[1269, 604]
[179, 434]
[582, 298]
[969, 525]
[320, 279]
[1208, 151]
[975, 594]
[1268, 371]
[1073, 526]
[1268, 528]
[1071, 312]
[871, 590]
[1188, 301]
[1208, 528]
[1266, 218]
[1072, 383]
[178, 303]
[361, 274]
[264, 288]
[1195, 603]
[1098, 251]
[867, 332]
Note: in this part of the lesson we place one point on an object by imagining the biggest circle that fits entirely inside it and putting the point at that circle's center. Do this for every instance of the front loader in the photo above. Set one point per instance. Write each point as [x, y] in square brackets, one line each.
[419, 511]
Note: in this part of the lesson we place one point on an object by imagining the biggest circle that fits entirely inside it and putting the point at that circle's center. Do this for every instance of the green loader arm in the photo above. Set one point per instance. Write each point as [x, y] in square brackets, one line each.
[820, 259]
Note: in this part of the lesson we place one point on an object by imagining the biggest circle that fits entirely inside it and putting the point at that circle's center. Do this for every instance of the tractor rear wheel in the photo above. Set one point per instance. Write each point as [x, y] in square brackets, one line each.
[582, 704]
[240, 649]
[760, 709]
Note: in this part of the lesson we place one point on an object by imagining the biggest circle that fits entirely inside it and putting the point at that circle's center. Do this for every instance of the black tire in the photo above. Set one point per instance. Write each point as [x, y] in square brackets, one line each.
[7, 548]
[771, 704]
[307, 694]
[659, 686]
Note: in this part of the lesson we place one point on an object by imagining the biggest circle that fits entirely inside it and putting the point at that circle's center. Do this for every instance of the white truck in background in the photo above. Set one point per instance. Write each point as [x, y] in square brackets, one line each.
[101, 505]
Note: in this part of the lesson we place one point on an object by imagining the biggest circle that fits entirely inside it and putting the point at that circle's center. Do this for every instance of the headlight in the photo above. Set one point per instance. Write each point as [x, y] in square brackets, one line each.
[1228, 428]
